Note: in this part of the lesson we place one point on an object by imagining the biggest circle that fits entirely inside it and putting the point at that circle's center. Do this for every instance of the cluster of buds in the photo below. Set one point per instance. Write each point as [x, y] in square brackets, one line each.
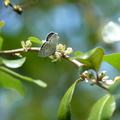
[102, 77]
[88, 77]
[26, 44]
[60, 51]
[92, 79]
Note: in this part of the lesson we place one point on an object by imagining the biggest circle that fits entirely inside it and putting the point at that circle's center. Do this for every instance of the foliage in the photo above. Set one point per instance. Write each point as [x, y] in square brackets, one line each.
[91, 60]
[7, 75]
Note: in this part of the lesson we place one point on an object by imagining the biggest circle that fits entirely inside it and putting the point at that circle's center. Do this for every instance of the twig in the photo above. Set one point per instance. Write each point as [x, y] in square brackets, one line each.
[21, 50]
[73, 61]
[36, 49]
[102, 85]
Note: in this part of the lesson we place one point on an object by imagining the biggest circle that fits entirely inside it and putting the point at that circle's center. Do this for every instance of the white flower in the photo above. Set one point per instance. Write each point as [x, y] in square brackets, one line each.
[105, 78]
[117, 78]
[109, 82]
[68, 51]
[28, 43]
[102, 74]
[88, 76]
[56, 57]
[61, 48]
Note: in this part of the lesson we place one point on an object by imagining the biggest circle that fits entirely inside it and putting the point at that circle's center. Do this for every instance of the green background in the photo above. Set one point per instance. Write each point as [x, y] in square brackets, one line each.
[79, 24]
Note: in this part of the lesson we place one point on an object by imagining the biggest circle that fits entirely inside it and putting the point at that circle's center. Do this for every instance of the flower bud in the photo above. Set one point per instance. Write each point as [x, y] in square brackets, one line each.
[117, 78]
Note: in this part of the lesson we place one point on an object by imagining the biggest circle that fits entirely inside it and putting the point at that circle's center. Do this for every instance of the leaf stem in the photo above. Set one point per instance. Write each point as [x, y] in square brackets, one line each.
[15, 74]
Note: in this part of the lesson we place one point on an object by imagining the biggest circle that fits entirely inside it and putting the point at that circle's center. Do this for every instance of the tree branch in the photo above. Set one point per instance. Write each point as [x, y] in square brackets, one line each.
[73, 61]
[21, 50]
[36, 49]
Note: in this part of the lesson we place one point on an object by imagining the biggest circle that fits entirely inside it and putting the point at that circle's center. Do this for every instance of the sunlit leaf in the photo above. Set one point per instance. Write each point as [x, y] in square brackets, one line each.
[111, 32]
[64, 108]
[77, 53]
[36, 40]
[1, 24]
[113, 59]
[10, 82]
[92, 59]
[103, 108]
[14, 63]
[114, 89]
[1, 42]
[38, 82]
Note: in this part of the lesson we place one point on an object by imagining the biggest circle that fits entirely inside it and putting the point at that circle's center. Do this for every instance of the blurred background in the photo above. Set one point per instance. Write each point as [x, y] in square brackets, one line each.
[79, 24]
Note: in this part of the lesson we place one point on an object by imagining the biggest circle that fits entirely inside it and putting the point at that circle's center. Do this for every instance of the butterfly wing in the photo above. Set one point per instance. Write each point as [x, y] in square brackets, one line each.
[49, 47]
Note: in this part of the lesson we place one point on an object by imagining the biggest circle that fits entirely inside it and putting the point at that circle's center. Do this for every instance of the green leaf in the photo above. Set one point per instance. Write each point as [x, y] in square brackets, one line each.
[103, 108]
[14, 63]
[1, 62]
[1, 24]
[36, 40]
[92, 59]
[10, 82]
[113, 59]
[38, 82]
[64, 108]
[114, 89]
[1, 42]
[77, 53]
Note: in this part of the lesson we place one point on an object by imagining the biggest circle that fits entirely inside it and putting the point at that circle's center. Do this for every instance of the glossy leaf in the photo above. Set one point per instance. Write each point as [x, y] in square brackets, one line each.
[14, 63]
[2, 24]
[10, 82]
[114, 89]
[92, 59]
[36, 40]
[103, 108]
[1, 42]
[113, 59]
[64, 108]
[38, 82]
[77, 53]
[111, 32]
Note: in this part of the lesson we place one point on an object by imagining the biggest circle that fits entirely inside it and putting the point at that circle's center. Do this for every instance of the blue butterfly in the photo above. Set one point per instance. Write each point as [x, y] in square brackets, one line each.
[49, 47]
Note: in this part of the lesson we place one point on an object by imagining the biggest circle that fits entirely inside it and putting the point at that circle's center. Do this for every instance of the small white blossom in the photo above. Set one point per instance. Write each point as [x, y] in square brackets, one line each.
[28, 43]
[105, 78]
[23, 44]
[88, 76]
[61, 48]
[102, 74]
[117, 78]
[56, 57]
[18, 54]
[68, 51]
[109, 82]
[85, 73]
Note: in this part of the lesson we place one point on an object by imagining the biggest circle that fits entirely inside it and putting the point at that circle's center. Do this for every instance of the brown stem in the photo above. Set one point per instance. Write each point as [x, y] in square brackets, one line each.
[77, 63]
[35, 49]
[102, 85]
[21, 50]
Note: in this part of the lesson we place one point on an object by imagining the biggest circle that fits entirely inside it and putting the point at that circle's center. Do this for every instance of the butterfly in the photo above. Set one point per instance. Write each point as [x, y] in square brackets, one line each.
[49, 47]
